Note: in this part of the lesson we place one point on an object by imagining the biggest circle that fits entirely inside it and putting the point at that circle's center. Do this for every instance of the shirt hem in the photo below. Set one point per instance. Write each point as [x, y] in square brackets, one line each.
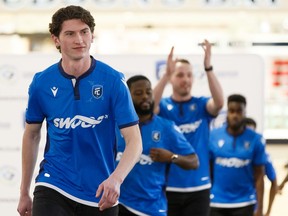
[189, 189]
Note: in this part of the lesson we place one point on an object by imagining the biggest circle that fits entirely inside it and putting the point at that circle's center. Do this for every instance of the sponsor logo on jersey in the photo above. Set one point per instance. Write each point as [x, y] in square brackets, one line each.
[54, 91]
[188, 128]
[97, 91]
[232, 162]
[78, 121]
[144, 159]
[169, 107]
[220, 143]
[156, 136]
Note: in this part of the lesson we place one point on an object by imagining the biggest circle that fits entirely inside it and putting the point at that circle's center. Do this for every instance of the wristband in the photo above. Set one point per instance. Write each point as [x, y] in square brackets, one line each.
[208, 69]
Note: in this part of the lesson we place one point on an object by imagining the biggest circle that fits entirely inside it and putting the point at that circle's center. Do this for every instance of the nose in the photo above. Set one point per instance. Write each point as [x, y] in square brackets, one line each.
[79, 38]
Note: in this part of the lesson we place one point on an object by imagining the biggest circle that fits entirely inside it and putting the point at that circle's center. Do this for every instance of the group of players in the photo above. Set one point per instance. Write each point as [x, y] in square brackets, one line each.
[168, 160]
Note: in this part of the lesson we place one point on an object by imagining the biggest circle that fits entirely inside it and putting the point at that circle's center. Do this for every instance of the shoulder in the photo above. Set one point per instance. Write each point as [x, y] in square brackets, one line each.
[107, 69]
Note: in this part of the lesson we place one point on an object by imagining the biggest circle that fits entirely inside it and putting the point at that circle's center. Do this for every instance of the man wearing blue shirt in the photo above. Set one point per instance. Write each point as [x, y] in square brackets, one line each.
[82, 101]
[188, 191]
[237, 163]
[143, 190]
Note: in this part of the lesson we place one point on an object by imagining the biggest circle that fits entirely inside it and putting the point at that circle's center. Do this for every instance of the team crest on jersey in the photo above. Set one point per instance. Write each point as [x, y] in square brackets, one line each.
[247, 145]
[97, 91]
[220, 143]
[156, 136]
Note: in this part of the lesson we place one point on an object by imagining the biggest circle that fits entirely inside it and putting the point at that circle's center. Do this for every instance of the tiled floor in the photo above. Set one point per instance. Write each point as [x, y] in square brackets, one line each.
[279, 155]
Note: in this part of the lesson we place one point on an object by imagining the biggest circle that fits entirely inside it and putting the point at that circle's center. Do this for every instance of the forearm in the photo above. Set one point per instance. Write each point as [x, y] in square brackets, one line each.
[131, 153]
[158, 91]
[30, 149]
[216, 91]
[273, 191]
[187, 162]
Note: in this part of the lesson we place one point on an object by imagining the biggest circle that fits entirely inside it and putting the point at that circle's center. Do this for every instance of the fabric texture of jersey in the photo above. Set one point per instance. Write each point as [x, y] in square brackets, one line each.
[193, 120]
[233, 159]
[143, 190]
[81, 116]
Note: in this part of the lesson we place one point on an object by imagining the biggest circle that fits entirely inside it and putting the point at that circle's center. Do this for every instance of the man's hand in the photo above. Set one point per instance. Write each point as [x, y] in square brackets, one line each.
[110, 190]
[160, 155]
[170, 64]
[25, 205]
[207, 50]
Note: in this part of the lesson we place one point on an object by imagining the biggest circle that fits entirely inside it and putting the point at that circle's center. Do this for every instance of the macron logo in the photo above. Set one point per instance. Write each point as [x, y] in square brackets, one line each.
[54, 91]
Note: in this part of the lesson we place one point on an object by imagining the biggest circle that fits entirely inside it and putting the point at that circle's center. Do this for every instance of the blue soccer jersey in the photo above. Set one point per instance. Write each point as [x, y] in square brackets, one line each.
[233, 159]
[81, 116]
[193, 120]
[143, 190]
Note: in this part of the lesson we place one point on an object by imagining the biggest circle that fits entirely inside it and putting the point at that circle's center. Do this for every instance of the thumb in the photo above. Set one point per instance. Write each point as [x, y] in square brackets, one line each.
[99, 190]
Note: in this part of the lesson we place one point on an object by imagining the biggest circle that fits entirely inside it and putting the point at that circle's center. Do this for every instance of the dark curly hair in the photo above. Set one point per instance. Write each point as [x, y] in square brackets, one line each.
[68, 13]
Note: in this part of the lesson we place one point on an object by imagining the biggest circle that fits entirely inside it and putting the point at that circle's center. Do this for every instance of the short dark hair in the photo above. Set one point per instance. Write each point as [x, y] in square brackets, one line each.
[68, 13]
[136, 78]
[237, 98]
[250, 121]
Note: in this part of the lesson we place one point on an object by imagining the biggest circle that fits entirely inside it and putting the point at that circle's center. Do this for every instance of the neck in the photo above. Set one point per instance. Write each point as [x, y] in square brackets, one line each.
[235, 132]
[76, 67]
[180, 98]
[144, 118]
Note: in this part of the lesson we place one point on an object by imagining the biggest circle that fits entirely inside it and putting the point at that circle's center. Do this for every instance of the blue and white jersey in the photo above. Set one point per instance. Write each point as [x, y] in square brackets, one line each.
[233, 159]
[193, 120]
[143, 190]
[81, 116]
[269, 169]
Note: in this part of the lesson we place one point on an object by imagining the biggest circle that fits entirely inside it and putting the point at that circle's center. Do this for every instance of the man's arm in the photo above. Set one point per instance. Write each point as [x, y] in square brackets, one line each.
[186, 162]
[111, 186]
[164, 80]
[215, 103]
[272, 193]
[259, 184]
[30, 147]
[281, 186]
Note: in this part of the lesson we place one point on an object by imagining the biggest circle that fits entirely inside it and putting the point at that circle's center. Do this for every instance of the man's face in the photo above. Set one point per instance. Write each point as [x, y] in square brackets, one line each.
[74, 39]
[142, 96]
[236, 114]
[182, 79]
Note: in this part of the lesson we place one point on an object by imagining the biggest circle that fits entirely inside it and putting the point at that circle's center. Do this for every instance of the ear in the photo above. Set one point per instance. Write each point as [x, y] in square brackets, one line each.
[56, 40]
[92, 39]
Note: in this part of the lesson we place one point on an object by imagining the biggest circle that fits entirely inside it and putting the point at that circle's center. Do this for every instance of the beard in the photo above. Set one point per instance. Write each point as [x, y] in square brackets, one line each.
[140, 111]
[236, 126]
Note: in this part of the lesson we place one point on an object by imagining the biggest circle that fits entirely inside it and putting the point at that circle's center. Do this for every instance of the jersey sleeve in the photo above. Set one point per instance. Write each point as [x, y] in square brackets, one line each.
[123, 107]
[260, 154]
[34, 112]
[269, 169]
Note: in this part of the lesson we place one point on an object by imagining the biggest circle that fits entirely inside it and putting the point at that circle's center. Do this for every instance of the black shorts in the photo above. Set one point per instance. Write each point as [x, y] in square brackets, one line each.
[47, 202]
[243, 211]
[123, 211]
[189, 203]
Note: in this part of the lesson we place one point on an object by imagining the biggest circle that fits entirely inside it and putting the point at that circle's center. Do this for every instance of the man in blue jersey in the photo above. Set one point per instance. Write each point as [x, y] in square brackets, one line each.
[237, 164]
[82, 101]
[143, 191]
[269, 171]
[188, 191]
